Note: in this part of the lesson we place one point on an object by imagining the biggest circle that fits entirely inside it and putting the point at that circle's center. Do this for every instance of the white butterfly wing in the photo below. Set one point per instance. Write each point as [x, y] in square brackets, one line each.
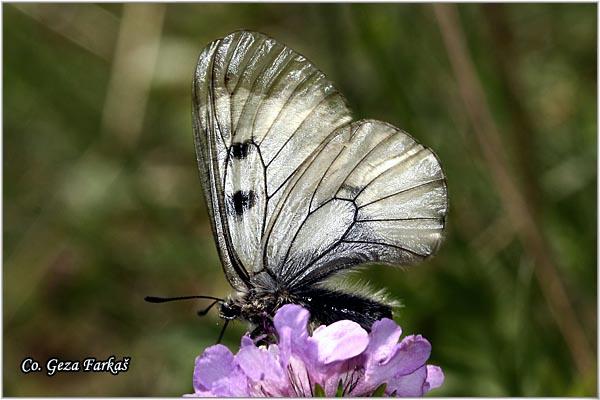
[259, 109]
[293, 188]
[370, 194]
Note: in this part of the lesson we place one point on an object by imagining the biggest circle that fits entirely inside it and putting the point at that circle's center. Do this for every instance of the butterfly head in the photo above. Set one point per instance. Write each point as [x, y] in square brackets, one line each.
[257, 307]
[230, 310]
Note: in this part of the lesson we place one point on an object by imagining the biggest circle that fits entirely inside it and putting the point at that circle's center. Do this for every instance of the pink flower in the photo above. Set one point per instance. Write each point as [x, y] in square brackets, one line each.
[338, 359]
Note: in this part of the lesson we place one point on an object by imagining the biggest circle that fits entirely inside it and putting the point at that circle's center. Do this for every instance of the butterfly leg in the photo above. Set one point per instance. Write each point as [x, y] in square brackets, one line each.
[223, 331]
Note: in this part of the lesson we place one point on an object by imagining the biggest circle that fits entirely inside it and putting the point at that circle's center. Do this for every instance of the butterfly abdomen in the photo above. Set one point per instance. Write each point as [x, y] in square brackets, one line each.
[328, 306]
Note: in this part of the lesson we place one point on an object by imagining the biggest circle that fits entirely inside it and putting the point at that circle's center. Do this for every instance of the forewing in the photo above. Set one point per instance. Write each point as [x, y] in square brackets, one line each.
[371, 193]
[260, 111]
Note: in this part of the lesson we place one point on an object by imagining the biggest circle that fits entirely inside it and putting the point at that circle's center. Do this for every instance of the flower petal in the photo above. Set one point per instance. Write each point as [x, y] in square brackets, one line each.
[410, 385]
[435, 377]
[383, 339]
[412, 353]
[292, 316]
[300, 380]
[417, 350]
[291, 325]
[339, 341]
[408, 356]
[235, 385]
[214, 364]
[259, 364]
[246, 341]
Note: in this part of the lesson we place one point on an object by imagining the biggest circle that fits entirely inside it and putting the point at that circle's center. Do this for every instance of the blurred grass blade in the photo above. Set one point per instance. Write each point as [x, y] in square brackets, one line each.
[513, 199]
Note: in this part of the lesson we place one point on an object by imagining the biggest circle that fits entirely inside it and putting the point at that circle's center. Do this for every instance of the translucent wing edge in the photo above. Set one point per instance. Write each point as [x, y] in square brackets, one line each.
[204, 141]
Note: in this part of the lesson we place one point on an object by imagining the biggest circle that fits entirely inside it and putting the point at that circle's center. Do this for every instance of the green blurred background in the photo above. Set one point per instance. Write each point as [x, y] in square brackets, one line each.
[102, 203]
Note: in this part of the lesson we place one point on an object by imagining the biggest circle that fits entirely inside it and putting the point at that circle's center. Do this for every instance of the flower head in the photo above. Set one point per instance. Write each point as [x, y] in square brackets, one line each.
[337, 359]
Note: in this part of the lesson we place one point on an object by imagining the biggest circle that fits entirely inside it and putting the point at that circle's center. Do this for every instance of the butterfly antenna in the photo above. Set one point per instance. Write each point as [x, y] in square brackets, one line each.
[223, 331]
[202, 313]
[153, 299]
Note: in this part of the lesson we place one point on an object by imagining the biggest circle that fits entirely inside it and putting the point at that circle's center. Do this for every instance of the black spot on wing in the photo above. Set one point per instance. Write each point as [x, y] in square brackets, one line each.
[242, 201]
[240, 150]
[353, 190]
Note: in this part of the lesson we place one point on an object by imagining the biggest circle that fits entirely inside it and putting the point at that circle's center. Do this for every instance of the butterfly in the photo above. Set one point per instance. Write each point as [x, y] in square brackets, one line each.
[298, 192]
